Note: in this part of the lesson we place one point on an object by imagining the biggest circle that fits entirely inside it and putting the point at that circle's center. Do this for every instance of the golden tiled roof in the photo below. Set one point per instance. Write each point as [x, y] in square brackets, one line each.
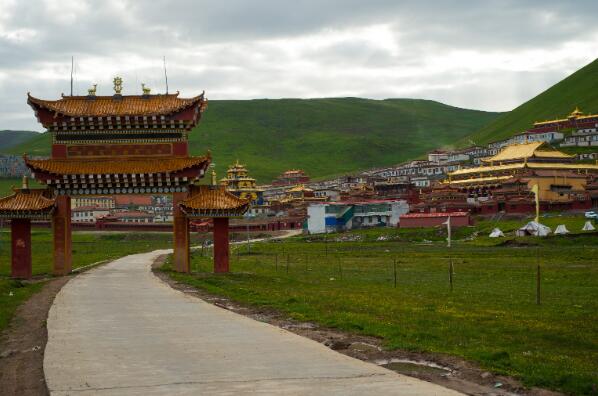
[552, 154]
[206, 200]
[515, 151]
[100, 166]
[548, 165]
[525, 150]
[300, 188]
[23, 202]
[484, 169]
[530, 165]
[576, 113]
[489, 179]
[130, 105]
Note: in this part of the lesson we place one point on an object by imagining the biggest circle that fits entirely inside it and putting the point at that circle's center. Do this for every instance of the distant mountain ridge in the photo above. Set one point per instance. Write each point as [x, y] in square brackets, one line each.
[325, 137]
[580, 89]
[9, 139]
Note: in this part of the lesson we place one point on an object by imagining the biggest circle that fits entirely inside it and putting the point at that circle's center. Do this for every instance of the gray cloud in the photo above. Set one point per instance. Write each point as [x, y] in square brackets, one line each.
[490, 55]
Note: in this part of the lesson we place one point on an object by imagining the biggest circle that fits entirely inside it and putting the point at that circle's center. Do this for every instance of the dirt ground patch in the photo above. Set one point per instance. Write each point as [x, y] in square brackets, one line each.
[23, 343]
[448, 371]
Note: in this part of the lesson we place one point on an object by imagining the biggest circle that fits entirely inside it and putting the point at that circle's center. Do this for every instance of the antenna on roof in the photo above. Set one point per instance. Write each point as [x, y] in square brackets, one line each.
[72, 67]
[165, 75]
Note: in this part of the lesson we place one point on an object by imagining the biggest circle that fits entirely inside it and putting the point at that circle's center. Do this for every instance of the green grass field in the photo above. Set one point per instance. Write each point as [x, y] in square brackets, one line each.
[88, 248]
[579, 89]
[490, 317]
[323, 136]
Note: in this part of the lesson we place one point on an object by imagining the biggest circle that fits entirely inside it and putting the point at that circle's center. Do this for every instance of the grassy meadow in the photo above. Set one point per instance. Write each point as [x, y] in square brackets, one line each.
[490, 316]
[88, 248]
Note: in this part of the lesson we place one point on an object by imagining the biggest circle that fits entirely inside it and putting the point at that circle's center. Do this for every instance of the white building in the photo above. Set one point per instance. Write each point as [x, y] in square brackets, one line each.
[341, 216]
[582, 138]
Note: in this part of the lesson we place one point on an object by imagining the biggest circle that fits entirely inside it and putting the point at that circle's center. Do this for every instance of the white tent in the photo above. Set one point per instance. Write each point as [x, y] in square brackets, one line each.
[496, 233]
[533, 228]
[561, 230]
[588, 226]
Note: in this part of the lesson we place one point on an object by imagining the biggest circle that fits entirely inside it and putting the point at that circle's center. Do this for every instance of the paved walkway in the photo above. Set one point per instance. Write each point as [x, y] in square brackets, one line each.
[119, 330]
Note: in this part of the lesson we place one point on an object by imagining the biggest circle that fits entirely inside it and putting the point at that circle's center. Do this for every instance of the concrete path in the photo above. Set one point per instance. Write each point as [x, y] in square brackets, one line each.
[119, 330]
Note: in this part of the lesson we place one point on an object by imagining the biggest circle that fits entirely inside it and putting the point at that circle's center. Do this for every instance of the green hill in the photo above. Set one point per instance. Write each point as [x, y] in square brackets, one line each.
[579, 89]
[324, 137]
[10, 139]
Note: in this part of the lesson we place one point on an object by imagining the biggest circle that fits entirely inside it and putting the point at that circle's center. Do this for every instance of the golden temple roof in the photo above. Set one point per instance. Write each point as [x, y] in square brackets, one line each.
[24, 203]
[300, 188]
[576, 114]
[530, 165]
[489, 179]
[117, 105]
[99, 166]
[207, 201]
[521, 151]
[552, 154]
[484, 169]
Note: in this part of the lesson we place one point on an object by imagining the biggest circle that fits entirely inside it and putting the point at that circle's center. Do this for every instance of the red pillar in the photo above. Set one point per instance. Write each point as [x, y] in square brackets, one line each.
[21, 248]
[180, 257]
[221, 244]
[61, 227]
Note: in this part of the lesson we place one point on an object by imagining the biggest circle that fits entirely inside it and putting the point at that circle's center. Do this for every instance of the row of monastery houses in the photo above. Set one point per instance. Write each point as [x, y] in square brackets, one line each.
[121, 209]
[577, 129]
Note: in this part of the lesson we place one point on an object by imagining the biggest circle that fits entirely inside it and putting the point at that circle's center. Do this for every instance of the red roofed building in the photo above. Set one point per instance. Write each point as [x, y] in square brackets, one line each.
[291, 177]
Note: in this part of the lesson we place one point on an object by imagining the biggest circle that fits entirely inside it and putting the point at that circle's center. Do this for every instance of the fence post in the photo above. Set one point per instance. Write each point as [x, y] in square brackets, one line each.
[451, 272]
[537, 276]
[394, 264]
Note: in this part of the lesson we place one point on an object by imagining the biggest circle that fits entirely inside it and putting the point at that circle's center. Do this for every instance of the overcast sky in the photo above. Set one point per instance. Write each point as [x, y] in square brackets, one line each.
[489, 55]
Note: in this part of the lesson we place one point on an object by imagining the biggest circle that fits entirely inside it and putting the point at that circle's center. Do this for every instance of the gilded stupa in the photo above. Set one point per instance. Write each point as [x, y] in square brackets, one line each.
[238, 182]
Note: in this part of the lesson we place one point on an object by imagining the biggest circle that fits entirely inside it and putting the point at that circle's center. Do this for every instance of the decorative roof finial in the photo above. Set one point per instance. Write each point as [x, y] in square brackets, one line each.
[146, 91]
[118, 85]
[214, 180]
[25, 185]
[92, 91]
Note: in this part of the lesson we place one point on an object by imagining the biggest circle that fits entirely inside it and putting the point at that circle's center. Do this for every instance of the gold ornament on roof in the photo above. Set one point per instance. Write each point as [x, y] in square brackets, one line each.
[575, 112]
[92, 91]
[146, 90]
[118, 85]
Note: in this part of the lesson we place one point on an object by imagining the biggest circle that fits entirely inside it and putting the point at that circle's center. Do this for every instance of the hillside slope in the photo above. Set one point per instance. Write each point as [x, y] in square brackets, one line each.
[323, 136]
[10, 139]
[579, 89]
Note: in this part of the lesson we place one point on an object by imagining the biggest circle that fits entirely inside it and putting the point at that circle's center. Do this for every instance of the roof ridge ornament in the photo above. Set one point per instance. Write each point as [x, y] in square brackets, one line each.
[146, 90]
[118, 85]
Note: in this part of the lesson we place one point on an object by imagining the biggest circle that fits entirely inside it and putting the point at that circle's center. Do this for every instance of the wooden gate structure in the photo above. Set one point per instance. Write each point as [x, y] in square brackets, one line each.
[118, 144]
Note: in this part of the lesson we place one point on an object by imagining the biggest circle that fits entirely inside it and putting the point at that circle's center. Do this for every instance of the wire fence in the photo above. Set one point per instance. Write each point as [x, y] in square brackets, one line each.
[553, 274]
